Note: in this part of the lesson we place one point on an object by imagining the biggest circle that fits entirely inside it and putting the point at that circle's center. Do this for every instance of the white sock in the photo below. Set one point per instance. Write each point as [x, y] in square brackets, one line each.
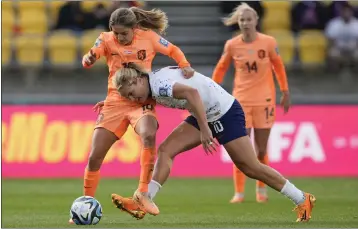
[239, 195]
[293, 193]
[153, 188]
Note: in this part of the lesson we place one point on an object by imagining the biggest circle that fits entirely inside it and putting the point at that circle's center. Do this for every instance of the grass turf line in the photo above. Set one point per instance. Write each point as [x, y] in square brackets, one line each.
[190, 203]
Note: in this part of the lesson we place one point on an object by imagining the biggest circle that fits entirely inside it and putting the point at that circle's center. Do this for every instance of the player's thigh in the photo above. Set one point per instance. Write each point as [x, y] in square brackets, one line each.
[113, 117]
[248, 116]
[102, 141]
[143, 118]
[184, 137]
[110, 126]
[242, 154]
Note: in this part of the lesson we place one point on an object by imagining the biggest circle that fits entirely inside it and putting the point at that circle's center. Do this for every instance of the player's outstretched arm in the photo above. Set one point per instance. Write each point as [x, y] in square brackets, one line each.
[164, 47]
[196, 105]
[98, 50]
[223, 65]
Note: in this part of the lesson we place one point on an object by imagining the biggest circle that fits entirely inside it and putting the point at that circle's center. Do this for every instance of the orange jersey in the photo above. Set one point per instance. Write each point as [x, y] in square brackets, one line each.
[254, 64]
[145, 45]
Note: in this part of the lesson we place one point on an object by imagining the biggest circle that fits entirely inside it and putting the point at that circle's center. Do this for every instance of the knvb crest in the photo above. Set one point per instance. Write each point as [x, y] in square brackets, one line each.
[141, 54]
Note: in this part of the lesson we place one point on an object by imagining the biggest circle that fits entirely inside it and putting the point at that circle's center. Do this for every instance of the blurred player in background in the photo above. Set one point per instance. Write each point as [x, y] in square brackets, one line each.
[133, 38]
[254, 55]
[215, 113]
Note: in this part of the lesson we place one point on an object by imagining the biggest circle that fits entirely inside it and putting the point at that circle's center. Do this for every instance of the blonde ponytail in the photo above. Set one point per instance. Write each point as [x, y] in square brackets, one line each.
[233, 18]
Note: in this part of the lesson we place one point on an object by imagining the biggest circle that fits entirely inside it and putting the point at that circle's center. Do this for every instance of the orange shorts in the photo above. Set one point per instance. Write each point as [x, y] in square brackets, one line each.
[117, 117]
[261, 117]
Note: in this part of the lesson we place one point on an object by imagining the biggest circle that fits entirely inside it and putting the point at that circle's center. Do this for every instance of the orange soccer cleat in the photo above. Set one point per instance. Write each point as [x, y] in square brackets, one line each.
[143, 199]
[128, 205]
[304, 210]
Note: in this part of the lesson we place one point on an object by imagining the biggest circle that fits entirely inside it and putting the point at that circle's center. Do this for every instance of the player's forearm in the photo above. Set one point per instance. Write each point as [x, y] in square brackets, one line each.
[179, 57]
[197, 107]
[281, 74]
[220, 70]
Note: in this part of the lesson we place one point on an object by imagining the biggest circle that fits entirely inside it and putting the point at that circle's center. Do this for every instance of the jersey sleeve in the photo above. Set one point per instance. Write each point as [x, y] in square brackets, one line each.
[162, 87]
[222, 65]
[278, 65]
[99, 48]
[164, 47]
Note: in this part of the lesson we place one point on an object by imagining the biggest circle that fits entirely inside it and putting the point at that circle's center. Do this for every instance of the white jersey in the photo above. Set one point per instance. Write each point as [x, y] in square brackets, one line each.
[216, 100]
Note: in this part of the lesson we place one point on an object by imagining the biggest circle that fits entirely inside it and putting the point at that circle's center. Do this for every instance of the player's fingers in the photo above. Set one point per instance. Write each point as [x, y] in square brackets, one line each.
[92, 54]
[207, 149]
[92, 58]
[211, 147]
[216, 143]
[87, 60]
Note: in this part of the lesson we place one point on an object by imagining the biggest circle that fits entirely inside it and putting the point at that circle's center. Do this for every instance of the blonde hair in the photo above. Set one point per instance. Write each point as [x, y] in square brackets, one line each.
[128, 75]
[154, 19]
[233, 18]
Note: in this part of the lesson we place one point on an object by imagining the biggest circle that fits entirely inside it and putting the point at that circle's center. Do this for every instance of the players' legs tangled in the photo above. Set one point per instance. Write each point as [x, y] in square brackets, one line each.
[146, 127]
[183, 138]
[243, 155]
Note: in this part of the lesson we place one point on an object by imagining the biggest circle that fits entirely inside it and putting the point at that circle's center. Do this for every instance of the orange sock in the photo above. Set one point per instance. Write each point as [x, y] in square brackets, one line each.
[90, 182]
[259, 184]
[239, 180]
[147, 159]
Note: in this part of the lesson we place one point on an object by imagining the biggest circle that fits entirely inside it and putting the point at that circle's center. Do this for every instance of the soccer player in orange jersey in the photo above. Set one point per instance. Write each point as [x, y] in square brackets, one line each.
[133, 38]
[255, 56]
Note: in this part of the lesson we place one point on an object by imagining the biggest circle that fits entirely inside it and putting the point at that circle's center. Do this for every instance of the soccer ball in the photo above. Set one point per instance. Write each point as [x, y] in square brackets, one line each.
[86, 210]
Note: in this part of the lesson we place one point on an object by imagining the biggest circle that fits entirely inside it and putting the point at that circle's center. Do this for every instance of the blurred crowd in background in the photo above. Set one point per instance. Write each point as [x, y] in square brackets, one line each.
[42, 39]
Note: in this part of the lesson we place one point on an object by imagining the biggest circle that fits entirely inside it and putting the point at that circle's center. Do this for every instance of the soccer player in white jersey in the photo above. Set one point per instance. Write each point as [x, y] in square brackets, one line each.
[215, 114]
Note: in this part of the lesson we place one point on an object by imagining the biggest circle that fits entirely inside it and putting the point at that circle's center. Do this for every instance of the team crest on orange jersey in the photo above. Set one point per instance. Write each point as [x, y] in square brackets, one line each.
[141, 54]
[99, 118]
[261, 53]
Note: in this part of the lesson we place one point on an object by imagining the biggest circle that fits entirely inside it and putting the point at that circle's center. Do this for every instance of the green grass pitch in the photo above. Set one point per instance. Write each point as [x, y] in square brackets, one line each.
[195, 203]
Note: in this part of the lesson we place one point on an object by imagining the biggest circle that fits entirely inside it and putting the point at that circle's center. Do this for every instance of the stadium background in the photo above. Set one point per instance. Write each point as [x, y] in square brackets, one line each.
[47, 120]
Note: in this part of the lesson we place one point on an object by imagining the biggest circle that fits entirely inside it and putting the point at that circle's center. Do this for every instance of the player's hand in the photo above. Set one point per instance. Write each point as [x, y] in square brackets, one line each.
[98, 107]
[208, 141]
[285, 101]
[90, 58]
[188, 72]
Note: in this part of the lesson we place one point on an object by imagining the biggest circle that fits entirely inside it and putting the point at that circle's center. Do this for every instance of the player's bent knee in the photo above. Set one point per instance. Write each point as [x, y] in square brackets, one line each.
[252, 171]
[95, 162]
[164, 152]
[148, 138]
